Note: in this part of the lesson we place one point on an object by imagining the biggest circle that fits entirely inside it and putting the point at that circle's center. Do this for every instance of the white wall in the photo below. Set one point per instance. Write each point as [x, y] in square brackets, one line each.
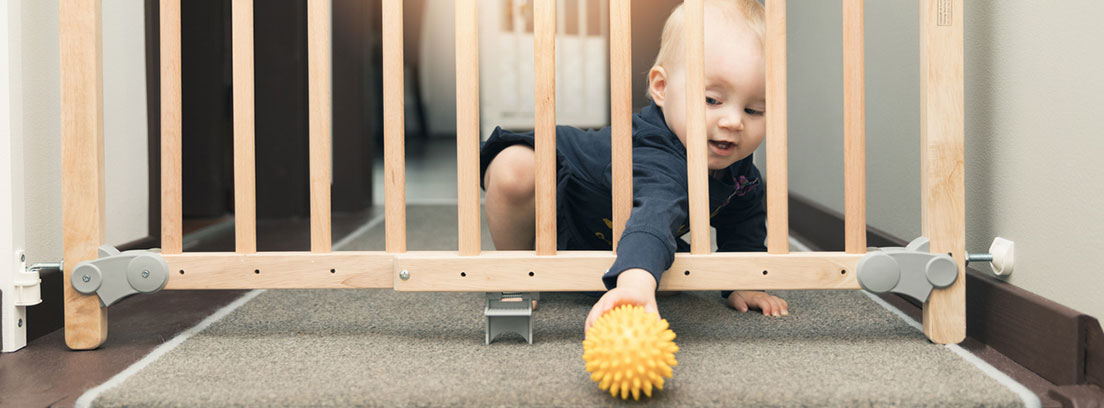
[41, 130]
[438, 60]
[1034, 97]
[126, 147]
[125, 154]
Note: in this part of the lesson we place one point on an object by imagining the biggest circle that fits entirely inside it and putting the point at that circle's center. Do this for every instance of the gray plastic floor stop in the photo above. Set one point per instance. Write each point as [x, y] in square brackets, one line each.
[116, 275]
[510, 312]
[912, 271]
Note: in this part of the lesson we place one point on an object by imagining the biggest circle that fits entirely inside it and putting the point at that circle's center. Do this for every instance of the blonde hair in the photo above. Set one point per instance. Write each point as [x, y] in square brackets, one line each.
[749, 11]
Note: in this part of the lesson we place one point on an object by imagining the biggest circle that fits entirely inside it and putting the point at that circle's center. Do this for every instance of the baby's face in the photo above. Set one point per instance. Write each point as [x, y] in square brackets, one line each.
[735, 92]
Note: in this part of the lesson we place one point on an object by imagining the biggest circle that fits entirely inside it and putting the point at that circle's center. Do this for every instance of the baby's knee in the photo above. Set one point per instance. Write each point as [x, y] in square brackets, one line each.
[510, 174]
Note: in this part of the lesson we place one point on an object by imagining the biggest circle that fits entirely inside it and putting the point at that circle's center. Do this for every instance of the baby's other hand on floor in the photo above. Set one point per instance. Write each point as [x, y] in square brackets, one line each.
[771, 305]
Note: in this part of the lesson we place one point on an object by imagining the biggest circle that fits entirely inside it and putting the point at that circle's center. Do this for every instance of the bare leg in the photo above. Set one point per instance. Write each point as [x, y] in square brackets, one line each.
[509, 201]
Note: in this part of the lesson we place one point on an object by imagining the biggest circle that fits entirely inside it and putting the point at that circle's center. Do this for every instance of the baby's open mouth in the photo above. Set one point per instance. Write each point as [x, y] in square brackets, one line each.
[721, 148]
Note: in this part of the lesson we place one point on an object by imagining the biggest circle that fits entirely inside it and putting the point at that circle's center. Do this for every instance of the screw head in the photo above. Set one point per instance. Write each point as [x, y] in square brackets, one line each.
[20, 323]
[404, 274]
[22, 257]
[86, 278]
[145, 273]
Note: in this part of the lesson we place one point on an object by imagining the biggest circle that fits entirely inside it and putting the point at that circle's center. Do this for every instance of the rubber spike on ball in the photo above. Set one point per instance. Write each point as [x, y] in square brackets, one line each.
[628, 350]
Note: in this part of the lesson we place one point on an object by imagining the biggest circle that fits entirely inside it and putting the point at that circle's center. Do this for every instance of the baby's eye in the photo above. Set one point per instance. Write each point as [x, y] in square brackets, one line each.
[711, 101]
[753, 112]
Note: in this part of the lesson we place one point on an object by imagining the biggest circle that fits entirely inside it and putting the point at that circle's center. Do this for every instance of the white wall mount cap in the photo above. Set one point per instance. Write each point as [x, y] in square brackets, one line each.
[1004, 256]
[25, 283]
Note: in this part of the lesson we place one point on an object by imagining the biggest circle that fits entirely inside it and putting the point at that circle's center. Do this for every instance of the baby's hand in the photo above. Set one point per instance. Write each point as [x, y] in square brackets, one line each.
[634, 287]
[771, 305]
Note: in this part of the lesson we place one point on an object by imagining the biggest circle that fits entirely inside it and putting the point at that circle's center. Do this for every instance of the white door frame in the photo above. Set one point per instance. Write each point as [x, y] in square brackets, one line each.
[13, 319]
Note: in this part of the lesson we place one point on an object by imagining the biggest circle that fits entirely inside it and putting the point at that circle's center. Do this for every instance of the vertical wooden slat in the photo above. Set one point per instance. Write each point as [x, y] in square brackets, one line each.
[394, 127]
[582, 44]
[942, 131]
[696, 146]
[318, 77]
[854, 126]
[171, 190]
[621, 112]
[778, 228]
[82, 163]
[467, 125]
[245, 192]
[544, 45]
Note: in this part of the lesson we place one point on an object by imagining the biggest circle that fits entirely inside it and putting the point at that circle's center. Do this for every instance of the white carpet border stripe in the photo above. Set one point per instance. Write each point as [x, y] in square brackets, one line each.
[88, 397]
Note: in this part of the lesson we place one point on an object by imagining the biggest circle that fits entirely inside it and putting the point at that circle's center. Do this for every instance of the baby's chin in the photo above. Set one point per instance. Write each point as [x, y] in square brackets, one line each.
[718, 163]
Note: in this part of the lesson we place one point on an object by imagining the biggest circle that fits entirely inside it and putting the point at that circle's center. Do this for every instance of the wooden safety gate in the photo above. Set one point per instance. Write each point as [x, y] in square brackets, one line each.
[469, 268]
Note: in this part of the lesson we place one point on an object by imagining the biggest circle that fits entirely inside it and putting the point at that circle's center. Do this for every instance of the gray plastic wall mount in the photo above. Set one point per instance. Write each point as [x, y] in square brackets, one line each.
[912, 271]
[116, 275]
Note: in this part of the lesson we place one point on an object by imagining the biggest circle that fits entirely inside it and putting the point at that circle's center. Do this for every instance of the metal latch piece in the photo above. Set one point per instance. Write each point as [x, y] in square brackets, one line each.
[116, 275]
[912, 271]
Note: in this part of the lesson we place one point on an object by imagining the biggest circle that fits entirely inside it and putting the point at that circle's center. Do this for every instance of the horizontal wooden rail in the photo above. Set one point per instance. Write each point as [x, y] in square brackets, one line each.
[448, 271]
[280, 270]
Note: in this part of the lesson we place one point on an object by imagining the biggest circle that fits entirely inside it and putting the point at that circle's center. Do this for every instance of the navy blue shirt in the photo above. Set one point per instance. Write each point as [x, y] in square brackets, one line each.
[660, 207]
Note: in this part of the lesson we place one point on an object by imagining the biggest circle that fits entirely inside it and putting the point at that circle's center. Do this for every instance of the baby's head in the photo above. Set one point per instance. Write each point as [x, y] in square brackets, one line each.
[735, 78]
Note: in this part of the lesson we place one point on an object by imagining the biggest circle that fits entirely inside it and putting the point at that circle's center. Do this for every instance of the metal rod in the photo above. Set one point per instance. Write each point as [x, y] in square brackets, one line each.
[978, 258]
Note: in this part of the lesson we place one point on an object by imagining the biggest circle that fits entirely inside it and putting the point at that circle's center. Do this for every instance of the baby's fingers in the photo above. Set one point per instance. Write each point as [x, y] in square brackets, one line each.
[778, 307]
[600, 308]
[737, 302]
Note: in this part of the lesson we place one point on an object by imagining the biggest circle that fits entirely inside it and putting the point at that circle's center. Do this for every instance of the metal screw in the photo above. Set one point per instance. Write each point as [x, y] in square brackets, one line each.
[145, 273]
[86, 278]
[20, 323]
[404, 275]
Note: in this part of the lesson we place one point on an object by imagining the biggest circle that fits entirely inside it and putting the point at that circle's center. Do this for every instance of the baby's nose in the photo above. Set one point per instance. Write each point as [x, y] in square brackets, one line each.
[732, 121]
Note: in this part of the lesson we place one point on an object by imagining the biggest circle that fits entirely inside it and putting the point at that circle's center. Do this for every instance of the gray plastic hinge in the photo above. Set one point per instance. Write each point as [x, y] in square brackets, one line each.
[509, 312]
[116, 275]
[912, 271]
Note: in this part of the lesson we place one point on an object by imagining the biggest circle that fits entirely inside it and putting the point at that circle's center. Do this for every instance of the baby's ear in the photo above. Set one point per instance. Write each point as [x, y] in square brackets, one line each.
[657, 85]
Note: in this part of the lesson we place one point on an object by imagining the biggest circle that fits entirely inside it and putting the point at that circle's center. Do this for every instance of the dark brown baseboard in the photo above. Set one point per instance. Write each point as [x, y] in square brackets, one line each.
[1061, 345]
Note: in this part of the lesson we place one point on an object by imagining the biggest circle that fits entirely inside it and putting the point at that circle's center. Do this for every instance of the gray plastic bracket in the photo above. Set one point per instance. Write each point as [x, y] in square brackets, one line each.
[912, 271]
[510, 312]
[116, 275]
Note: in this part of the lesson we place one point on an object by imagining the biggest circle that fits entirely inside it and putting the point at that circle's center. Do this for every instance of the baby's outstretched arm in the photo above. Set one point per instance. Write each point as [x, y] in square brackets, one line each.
[634, 287]
[771, 305]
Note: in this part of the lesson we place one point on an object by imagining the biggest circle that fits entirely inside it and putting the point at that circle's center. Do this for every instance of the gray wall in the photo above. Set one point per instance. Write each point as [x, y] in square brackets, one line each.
[1034, 100]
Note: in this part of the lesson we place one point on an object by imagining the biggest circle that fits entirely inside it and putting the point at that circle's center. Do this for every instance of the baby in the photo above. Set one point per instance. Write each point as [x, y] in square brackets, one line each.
[735, 98]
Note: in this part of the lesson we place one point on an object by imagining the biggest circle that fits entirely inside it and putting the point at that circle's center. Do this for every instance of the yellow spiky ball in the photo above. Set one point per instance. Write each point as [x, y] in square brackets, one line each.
[628, 350]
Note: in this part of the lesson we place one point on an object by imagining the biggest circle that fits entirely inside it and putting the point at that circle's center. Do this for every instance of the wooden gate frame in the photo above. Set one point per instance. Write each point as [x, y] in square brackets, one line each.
[469, 269]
